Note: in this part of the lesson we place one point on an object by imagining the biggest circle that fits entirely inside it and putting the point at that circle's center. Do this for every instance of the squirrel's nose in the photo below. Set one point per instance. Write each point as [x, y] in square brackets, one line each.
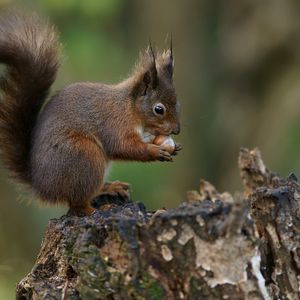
[176, 130]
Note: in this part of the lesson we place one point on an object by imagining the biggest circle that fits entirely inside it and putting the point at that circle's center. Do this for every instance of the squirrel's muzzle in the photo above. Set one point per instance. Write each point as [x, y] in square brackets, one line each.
[176, 130]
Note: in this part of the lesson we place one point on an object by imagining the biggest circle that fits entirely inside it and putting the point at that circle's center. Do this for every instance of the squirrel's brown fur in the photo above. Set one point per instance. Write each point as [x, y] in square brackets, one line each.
[63, 152]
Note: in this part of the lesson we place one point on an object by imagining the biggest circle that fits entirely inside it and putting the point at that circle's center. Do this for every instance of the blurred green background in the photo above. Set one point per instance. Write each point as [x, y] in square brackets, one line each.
[237, 74]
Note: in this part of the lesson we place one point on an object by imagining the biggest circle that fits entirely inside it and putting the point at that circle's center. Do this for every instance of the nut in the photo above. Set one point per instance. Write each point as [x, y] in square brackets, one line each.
[166, 142]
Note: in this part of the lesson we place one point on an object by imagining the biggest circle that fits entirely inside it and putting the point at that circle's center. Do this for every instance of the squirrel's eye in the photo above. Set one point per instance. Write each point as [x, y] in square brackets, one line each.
[159, 109]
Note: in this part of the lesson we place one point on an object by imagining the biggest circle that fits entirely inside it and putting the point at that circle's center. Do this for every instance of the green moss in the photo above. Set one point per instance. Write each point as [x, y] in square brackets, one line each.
[151, 287]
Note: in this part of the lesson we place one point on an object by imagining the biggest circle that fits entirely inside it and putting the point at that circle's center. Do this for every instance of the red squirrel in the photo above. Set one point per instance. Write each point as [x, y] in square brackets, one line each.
[61, 147]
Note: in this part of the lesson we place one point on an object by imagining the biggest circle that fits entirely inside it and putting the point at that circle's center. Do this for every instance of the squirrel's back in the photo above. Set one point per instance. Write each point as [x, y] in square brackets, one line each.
[85, 107]
[30, 51]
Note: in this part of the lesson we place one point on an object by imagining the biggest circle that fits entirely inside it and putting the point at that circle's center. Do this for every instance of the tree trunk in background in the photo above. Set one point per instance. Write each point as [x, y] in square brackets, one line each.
[213, 246]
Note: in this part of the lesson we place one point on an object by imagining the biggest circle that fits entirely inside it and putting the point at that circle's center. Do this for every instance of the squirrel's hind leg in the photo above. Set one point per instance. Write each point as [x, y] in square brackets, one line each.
[75, 170]
[92, 163]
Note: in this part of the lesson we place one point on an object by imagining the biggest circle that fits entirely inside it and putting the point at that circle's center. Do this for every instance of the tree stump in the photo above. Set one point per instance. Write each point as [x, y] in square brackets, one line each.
[213, 246]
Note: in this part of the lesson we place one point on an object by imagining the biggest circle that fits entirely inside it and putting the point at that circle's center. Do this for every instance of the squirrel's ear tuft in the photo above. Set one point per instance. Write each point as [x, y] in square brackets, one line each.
[150, 77]
[167, 63]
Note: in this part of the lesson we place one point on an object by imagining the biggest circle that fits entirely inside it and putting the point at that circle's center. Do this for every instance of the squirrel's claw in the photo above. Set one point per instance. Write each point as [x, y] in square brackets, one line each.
[178, 147]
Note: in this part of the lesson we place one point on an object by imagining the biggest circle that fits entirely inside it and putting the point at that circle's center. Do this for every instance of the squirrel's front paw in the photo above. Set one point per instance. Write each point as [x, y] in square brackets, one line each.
[164, 155]
[158, 153]
[178, 147]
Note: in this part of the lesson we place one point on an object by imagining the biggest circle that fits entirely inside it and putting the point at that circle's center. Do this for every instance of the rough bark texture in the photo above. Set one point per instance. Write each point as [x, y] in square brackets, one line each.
[213, 246]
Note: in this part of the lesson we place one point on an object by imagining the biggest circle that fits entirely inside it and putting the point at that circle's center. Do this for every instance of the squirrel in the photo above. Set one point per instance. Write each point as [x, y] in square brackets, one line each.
[61, 146]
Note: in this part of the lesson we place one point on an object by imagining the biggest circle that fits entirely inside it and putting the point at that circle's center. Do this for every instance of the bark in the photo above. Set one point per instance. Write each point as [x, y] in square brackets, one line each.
[213, 246]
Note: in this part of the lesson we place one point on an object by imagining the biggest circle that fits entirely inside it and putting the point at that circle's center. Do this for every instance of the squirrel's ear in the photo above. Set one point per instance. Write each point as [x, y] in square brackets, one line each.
[146, 74]
[149, 80]
[168, 61]
[150, 76]
[169, 64]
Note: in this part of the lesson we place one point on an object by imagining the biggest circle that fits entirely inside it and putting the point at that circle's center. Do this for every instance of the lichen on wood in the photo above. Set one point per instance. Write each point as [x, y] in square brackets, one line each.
[213, 246]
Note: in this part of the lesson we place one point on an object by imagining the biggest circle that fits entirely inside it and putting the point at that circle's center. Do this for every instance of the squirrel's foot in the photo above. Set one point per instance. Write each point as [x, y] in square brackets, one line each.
[111, 194]
[116, 188]
[82, 211]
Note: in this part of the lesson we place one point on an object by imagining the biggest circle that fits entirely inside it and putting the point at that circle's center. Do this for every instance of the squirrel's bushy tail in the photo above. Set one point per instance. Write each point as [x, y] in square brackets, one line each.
[30, 51]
